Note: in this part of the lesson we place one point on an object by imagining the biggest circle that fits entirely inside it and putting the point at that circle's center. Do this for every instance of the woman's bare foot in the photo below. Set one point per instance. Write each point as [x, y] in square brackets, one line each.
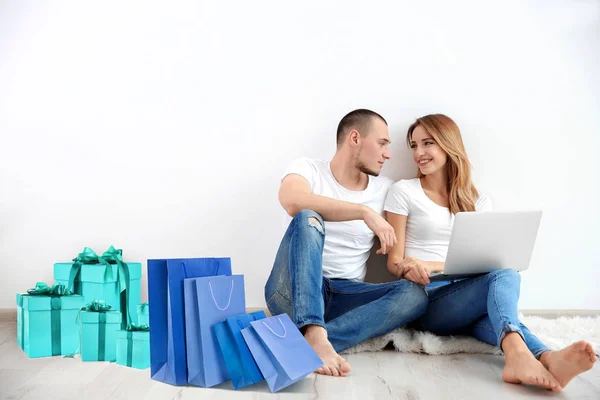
[569, 362]
[335, 365]
[522, 367]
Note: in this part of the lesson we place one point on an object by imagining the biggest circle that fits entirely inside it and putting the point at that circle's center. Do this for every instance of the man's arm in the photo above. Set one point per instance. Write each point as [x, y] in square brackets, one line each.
[295, 194]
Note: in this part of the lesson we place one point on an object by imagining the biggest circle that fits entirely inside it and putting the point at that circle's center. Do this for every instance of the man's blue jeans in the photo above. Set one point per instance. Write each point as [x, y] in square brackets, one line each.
[350, 311]
[484, 307]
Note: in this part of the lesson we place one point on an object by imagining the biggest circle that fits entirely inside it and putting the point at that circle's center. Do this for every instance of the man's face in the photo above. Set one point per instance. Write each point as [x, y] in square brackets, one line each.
[374, 150]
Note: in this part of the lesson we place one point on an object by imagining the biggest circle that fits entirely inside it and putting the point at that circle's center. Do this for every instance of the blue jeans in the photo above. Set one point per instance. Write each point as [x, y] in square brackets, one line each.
[484, 307]
[350, 311]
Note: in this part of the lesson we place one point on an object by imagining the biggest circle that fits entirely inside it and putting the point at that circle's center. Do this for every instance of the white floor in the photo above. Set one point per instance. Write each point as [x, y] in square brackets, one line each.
[383, 375]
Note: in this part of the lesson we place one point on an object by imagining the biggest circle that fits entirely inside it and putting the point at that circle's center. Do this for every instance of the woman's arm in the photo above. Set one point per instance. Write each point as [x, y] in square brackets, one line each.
[395, 256]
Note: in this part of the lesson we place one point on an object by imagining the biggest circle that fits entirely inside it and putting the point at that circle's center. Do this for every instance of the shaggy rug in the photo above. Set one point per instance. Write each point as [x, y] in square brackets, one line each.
[555, 333]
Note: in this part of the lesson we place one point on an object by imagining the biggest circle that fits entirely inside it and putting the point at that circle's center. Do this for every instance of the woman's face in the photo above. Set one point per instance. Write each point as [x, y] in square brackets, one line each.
[427, 154]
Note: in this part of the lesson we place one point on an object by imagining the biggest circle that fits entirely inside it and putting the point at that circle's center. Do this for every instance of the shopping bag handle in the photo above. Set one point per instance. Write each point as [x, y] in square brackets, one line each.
[273, 332]
[215, 300]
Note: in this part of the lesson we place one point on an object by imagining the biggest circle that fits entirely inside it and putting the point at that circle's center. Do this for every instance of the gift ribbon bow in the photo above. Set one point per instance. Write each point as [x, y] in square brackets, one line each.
[97, 306]
[42, 289]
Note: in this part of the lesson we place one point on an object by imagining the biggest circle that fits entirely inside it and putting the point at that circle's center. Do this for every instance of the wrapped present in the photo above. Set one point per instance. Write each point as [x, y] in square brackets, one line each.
[104, 277]
[99, 327]
[47, 320]
[143, 314]
[133, 347]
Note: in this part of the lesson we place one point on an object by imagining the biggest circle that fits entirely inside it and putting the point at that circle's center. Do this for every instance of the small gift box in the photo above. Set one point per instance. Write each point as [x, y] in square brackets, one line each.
[99, 327]
[133, 347]
[47, 320]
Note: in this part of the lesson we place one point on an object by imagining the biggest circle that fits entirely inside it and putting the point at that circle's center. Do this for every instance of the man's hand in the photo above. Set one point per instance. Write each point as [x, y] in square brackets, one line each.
[414, 270]
[382, 229]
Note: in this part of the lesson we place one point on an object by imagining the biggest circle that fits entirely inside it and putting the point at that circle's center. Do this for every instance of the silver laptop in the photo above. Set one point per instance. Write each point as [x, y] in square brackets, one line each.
[486, 241]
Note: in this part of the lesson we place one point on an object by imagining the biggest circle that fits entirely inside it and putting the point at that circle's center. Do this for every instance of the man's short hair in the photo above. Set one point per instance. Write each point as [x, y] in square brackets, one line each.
[358, 119]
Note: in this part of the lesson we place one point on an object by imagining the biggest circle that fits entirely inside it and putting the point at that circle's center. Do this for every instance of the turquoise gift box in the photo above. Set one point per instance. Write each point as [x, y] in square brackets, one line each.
[47, 325]
[103, 278]
[99, 335]
[133, 349]
[143, 314]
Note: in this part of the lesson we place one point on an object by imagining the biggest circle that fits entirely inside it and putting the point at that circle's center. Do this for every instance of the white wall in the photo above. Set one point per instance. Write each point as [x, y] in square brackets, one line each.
[164, 129]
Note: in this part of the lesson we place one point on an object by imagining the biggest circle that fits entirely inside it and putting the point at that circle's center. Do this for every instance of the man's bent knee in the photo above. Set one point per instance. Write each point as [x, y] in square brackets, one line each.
[312, 218]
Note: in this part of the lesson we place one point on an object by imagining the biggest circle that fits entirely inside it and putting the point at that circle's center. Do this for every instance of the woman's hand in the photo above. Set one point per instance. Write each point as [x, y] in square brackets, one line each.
[414, 270]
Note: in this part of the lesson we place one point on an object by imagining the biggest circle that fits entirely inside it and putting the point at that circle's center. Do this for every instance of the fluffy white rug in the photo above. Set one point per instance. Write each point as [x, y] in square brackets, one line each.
[555, 333]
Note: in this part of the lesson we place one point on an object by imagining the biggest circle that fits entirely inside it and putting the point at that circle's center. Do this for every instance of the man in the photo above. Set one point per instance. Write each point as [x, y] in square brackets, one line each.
[317, 277]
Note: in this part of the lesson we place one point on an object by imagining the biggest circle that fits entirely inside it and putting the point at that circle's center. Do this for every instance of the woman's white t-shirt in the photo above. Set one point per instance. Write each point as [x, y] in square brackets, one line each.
[429, 225]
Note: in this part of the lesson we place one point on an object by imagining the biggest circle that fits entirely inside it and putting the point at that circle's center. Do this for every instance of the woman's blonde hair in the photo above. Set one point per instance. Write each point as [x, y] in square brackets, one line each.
[462, 194]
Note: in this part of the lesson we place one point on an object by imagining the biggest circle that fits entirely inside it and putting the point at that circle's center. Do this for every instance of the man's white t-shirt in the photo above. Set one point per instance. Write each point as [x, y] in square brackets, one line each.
[347, 244]
[429, 225]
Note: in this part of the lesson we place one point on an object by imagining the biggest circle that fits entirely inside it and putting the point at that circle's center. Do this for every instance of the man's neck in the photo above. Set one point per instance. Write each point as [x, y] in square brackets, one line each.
[346, 173]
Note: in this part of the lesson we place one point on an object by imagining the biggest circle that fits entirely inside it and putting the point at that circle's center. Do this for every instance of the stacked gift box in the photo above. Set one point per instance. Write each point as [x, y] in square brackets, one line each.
[92, 309]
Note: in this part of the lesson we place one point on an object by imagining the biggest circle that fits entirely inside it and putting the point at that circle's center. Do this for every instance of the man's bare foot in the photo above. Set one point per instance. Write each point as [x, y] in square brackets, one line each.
[335, 365]
[569, 362]
[522, 367]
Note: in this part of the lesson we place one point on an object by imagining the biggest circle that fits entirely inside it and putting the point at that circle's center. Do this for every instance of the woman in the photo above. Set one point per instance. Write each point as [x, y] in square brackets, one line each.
[422, 211]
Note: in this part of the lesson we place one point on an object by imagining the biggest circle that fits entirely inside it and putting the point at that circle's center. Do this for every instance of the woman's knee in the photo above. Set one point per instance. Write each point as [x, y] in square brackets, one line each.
[412, 300]
[506, 274]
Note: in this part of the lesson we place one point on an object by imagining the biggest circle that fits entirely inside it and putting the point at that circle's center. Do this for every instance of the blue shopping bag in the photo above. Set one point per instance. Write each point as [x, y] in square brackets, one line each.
[281, 352]
[209, 301]
[240, 364]
[168, 362]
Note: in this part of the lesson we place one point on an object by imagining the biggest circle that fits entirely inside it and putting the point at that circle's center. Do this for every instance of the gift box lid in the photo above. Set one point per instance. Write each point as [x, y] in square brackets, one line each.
[135, 335]
[47, 303]
[95, 317]
[96, 272]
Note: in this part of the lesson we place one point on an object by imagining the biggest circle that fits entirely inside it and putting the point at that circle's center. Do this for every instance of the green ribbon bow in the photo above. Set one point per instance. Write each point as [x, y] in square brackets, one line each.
[89, 256]
[131, 328]
[55, 293]
[138, 328]
[42, 289]
[97, 306]
[110, 256]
